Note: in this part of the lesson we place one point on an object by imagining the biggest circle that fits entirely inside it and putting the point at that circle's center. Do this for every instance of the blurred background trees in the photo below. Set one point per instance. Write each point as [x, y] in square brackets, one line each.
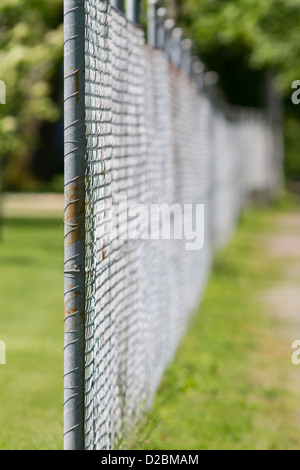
[246, 42]
[31, 38]
[242, 40]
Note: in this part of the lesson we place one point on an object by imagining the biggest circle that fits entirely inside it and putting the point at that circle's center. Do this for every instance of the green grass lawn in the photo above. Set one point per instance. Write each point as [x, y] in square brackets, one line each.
[31, 324]
[226, 388]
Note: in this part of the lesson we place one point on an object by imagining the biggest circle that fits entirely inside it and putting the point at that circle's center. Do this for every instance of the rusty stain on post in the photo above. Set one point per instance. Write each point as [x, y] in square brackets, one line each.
[74, 221]
[77, 86]
[74, 214]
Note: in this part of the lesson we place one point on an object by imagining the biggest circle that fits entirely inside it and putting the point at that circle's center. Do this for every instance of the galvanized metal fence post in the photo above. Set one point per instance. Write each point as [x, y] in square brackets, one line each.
[161, 32]
[176, 48]
[152, 24]
[198, 69]
[74, 221]
[133, 10]
[118, 4]
[187, 45]
[210, 81]
[169, 26]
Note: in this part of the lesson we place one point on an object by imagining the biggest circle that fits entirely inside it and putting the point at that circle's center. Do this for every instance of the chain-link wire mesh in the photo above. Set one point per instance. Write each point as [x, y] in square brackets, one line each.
[150, 139]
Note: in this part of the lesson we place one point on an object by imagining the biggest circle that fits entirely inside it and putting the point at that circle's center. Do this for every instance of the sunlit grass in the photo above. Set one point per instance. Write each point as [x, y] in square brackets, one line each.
[31, 324]
[229, 386]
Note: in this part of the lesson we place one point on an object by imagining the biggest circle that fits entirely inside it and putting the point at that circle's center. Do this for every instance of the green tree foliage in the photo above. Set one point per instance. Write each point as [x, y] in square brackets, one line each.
[241, 40]
[31, 38]
[267, 31]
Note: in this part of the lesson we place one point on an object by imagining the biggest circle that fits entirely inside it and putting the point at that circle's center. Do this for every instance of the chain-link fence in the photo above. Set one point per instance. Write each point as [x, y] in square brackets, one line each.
[139, 135]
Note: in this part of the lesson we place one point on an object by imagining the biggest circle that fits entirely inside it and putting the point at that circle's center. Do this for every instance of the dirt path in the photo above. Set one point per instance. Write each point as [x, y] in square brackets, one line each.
[33, 205]
[283, 297]
[280, 299]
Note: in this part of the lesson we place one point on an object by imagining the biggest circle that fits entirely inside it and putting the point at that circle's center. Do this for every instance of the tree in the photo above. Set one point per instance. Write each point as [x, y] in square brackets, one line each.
[240, 39]
[243, 40]
[31, 38]
[268, 32]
